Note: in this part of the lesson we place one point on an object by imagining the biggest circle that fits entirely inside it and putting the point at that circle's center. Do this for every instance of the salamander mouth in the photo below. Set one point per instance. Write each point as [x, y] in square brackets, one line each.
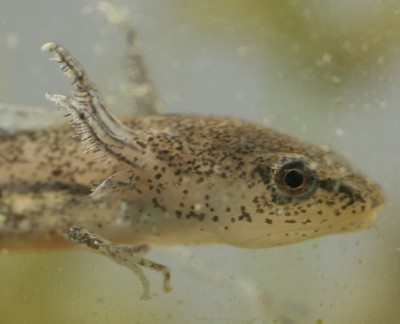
[378, 198]
[378, 201]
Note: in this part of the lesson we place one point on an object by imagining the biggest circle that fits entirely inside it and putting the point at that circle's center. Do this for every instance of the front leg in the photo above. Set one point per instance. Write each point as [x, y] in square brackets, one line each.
[129, 256]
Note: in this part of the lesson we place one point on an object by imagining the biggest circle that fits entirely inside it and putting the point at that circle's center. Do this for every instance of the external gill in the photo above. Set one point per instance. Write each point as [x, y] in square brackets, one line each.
[99, 130]
[141, 86]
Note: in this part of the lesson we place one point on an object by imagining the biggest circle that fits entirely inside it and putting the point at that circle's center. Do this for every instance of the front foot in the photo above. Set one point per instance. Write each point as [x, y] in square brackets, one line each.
[129, 256]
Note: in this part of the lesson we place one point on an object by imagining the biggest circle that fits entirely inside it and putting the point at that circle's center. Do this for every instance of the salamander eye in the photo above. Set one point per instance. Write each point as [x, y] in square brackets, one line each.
[294, 178]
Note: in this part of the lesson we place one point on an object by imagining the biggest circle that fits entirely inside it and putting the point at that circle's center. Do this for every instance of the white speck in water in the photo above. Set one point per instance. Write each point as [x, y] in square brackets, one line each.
[173, 98]
[267, 120]
[304, 128]
[389, 32]
[98, 49]
[339, 132]
[307, 14]
[339, 101]
[12, 40]
[347, 45]
[295, 47]
[239, 96]
[381, 60]
[365, 46]
[2, 220]
[114, 15]
[243, 50]
[326, 58]
[174, 64]
[336, 80]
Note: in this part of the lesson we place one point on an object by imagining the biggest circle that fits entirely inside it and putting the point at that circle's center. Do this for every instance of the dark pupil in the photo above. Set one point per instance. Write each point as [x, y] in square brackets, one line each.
[294, 179]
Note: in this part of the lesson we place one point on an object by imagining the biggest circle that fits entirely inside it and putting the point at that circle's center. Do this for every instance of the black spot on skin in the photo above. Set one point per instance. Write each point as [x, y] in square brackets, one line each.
[268, 221]
[209, 172]
[158, 205]
[142, 145]
[290, 221]
[244, 215]
[215, 218]
[263, 172]
[56, 172]
[192, 214]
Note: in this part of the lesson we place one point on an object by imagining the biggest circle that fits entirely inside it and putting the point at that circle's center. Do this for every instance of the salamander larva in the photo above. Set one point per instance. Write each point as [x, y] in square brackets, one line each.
[160, 179]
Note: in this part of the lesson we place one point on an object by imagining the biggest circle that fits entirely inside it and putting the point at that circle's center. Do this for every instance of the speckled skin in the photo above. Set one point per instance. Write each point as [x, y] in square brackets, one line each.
[169, 179]
[196, 179]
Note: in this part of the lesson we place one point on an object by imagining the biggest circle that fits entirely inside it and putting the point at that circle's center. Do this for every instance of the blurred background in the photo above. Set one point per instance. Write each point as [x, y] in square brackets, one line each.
[327, 72]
